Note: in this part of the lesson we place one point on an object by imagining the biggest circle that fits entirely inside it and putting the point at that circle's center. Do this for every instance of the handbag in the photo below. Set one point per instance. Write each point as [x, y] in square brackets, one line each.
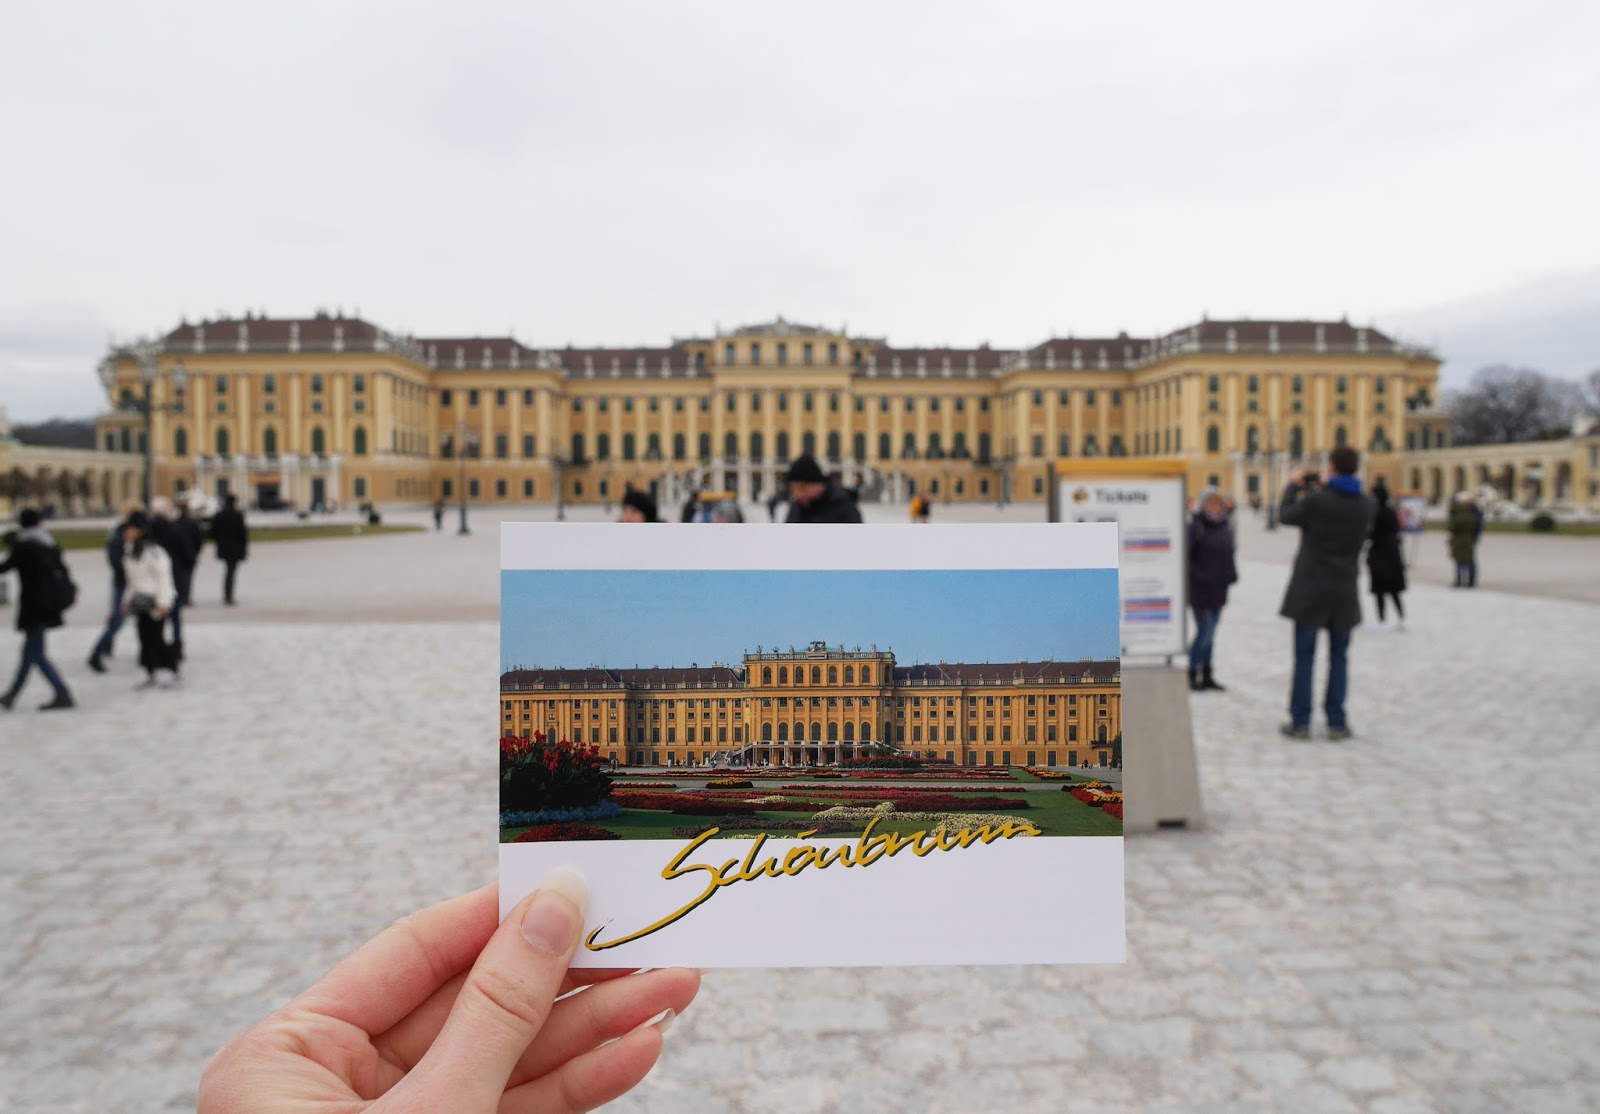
[141, 603]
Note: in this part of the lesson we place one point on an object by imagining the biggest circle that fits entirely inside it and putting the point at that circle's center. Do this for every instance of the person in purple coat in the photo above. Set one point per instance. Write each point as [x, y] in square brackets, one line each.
[1211, 570]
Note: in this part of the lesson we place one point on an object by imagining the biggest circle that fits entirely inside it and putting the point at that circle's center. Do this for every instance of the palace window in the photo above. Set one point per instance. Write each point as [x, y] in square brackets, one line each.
[358, 441]
[527, 445]
[500, 398]
[501, 449]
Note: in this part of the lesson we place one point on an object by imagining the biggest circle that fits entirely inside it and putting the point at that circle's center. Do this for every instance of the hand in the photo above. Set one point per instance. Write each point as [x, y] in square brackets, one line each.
[1297, 477]
[158, 613]
[444, 1011]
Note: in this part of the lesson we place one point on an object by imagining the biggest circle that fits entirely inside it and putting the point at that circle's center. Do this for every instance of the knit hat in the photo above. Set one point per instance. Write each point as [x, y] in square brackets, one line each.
[641, 502]
[806, 470]
[138, 520]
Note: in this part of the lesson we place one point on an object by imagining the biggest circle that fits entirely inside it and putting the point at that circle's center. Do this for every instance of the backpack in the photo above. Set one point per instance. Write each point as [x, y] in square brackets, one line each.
[60, 591]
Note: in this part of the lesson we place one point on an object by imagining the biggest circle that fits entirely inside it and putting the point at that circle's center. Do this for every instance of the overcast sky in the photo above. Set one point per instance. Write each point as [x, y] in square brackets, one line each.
[617, 173]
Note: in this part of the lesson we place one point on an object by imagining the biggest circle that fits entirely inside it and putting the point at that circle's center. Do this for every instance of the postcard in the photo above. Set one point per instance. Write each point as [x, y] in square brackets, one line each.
[822, 745]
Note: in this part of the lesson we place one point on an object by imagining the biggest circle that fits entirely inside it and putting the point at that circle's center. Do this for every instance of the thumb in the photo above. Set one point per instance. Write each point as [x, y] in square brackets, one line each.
[507, 997]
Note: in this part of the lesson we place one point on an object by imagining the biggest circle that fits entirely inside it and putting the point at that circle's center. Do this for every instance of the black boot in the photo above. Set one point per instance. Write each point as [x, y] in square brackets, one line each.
[1194, 681]
[63, 699]
[7, 700]
[1207, 681]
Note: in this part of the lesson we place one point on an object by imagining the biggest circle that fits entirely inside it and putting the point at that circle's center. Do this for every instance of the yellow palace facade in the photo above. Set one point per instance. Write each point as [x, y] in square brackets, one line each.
[820, 704]
[333, 410]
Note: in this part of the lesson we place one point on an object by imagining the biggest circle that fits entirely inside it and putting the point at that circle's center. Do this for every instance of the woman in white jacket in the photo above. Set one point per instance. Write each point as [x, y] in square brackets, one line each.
[149, 598]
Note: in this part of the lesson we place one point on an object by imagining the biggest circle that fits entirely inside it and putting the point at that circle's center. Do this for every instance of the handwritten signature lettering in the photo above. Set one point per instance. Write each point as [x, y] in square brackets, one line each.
[869, 848]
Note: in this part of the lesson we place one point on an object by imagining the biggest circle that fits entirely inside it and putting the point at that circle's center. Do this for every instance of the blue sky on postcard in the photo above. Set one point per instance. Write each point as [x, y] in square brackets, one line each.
[623, 618]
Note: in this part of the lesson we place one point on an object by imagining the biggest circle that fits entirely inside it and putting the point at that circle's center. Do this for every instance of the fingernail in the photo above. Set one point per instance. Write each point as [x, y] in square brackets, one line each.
[549, 923]
[666, 1021]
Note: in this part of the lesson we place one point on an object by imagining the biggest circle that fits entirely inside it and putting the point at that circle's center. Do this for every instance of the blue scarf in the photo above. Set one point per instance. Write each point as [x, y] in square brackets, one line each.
[1345, 485]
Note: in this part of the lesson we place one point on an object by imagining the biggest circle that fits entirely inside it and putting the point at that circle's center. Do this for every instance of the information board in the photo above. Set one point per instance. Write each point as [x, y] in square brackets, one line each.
[1150, 516]
[1409, 508]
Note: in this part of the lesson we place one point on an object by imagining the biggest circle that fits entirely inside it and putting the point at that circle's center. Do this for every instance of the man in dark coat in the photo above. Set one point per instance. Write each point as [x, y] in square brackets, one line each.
[1323, 594]
[40, 573]
[232, 538]
[817, 497]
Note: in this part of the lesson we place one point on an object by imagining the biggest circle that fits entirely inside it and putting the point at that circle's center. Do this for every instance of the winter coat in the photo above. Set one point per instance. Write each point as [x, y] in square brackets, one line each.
[1464, 531]
[149, 573]
[35, 557]
[114, 558]
[1386, 566]
[229, 532]
[1323, 589]
[172, 536]
[1211, 567]
[835, 505]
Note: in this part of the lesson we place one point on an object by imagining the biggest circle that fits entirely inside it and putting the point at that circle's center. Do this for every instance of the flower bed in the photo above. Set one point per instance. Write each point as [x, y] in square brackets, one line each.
[728, 783]
[1112, 808]
[714, 808]
[833, 790]
[756, 824]
[550, 833]
[1046, 773]
[944, 820]
[602, 811]
[1095, 798]
[537, 774]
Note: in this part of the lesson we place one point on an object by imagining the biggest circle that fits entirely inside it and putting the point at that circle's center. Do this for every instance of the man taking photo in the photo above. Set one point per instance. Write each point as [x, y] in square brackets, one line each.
[815, 497]
[1334, 522]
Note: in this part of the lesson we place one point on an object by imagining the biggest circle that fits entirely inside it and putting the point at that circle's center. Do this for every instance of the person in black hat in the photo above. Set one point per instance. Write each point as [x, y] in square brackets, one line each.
[817, 497]
[638, 506]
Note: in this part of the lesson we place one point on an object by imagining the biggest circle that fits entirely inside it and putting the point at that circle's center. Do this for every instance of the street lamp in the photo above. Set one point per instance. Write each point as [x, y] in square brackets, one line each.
[1272, 474]
[560, 464]
[147, 353]
[467, 443]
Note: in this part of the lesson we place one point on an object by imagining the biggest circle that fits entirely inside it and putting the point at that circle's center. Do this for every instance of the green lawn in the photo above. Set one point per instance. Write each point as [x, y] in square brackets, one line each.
[1054, 813]
[79, 538]
[1563, 529]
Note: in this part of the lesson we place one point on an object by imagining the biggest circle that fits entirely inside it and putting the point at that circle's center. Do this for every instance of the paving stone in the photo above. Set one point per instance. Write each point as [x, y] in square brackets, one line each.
[1399, 923]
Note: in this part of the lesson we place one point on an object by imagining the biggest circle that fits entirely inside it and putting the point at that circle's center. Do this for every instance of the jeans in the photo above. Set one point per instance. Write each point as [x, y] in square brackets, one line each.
[102, 648]
[1467, 575]
[1205, 637]
[33, 655]
[232, 567]
[1305, 653]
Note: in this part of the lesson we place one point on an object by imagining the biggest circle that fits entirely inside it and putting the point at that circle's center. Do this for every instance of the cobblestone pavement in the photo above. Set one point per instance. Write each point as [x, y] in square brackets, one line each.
[1400, 923]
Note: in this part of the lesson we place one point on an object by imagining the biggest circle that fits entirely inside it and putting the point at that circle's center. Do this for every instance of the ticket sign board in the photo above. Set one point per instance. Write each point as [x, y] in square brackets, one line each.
[1147, 503]
[1410, 507]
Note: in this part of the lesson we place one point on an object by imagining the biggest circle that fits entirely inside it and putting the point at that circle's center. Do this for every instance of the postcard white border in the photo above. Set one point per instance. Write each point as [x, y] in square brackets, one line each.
[1038, 899]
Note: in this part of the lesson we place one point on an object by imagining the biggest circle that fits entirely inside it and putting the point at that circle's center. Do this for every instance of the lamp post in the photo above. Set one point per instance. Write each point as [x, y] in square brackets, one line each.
[1272, 474]
[467, 443]
[147, 354]
[560, 464]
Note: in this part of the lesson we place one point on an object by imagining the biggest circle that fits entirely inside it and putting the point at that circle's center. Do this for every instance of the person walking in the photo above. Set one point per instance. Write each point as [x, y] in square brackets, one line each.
[1386, 564]
[171, 536]
[438, 515]
[817, 497]
[102, 646]
[1211, 571]
[1465, 527]
[44, 592]
[1334, 522]
[152, 593]
[232, 539]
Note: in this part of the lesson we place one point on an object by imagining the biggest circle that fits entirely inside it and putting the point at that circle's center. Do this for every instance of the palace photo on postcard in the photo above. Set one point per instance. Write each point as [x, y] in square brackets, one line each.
[660, 703]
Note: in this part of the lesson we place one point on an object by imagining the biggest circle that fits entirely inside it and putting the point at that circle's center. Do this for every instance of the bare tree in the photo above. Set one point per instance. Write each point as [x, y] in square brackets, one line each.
[1505, 404]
